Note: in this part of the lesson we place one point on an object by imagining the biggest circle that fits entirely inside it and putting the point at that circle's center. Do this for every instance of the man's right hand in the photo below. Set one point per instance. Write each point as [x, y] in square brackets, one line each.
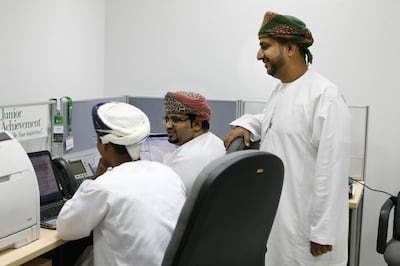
[235, 133]
[102, 167]
[319, 249]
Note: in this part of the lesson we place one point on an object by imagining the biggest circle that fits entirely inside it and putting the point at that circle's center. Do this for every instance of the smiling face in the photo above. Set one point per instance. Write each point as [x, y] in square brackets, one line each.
[180, 128]
[273, 54]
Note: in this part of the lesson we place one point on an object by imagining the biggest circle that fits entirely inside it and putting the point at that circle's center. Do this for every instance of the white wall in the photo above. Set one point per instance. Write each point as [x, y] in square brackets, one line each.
[210, 46]
[93, 48]
[207, 46]
[51, 49]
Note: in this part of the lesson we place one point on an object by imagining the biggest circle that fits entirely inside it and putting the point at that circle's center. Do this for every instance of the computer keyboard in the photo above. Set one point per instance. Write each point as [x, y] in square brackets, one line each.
[51, 210]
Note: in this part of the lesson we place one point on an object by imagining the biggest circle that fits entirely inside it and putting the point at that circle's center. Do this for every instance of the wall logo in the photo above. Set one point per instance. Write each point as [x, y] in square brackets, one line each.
[25, 122]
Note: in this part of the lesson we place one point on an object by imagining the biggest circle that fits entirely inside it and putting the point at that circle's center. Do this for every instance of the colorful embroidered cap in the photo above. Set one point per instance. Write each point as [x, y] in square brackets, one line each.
[184, 102]
[287, 27]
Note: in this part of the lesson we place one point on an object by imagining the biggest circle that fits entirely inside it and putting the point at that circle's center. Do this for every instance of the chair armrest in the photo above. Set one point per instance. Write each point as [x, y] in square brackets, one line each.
[238, 144]
[383, 224]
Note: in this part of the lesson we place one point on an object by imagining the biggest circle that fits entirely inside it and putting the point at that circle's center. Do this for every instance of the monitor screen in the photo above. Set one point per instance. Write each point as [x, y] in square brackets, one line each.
[48, 186]
[155, 146]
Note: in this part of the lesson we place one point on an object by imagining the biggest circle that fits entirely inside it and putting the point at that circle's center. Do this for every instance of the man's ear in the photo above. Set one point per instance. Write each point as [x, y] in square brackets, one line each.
[291, 48]
[106, 146]
[197, 125]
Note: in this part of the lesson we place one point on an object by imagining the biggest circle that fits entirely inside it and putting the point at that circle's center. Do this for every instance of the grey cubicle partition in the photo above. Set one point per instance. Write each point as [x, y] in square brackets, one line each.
[84, 137]
[153, 108]
[83, 133]
[359, 116]
[223, 112]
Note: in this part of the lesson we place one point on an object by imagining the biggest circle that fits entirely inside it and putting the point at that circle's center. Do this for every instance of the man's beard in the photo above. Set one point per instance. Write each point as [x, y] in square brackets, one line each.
[173, 141]
[276, 65]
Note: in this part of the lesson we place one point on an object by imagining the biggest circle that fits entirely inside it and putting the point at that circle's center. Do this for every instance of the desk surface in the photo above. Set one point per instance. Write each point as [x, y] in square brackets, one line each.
[355, 200]
[48, 240]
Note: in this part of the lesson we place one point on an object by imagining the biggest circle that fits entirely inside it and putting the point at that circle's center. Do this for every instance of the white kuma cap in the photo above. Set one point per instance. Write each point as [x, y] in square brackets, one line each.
[123, 124]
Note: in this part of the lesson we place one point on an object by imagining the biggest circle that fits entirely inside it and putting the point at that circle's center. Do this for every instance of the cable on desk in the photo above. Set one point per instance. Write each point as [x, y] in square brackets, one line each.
[372, 189]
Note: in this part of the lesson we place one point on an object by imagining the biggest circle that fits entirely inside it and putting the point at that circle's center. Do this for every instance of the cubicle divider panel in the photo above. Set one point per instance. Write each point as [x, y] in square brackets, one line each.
[223, 112]
[359, 123]
[153, 108]
[84, 136]
[252, 107]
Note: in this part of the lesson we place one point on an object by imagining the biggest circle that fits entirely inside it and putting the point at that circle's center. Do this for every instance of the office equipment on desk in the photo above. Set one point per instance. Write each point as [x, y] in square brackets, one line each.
[81, 170]
[19, 192]
[155, 146]
[71, 174]
[51, 197]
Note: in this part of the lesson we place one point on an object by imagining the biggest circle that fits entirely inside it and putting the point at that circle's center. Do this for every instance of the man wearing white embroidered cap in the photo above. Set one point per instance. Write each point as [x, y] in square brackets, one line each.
[133, 207]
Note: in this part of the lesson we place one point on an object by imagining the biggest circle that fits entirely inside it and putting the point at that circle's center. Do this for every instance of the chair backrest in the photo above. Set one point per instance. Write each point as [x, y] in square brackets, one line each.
[383, 223]
[390, 249]
[228, 215]
[238, 145]
[396, 219]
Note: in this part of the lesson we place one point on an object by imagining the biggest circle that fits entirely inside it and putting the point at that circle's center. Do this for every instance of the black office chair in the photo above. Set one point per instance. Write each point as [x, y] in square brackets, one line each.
[390, 249]
[238, 145]
[228, 215]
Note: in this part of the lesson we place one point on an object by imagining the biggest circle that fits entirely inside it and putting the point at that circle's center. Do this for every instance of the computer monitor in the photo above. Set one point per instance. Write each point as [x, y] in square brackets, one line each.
[48, 186]
[155, 146]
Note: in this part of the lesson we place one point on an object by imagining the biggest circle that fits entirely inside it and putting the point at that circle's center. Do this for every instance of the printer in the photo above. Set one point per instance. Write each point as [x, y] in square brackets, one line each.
[19, 195]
